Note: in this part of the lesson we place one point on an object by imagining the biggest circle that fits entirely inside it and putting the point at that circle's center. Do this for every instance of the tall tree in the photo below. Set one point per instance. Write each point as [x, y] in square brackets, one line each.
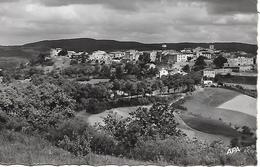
[219, 61]
[186, 68]
[200, 63]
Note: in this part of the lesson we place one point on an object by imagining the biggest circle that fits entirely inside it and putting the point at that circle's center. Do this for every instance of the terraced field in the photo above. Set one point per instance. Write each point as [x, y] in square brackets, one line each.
[207, 104]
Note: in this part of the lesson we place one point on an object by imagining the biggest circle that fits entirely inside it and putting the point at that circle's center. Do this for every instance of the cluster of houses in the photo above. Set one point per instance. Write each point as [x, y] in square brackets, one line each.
[173, 56]
[168, 62]
[240, 64]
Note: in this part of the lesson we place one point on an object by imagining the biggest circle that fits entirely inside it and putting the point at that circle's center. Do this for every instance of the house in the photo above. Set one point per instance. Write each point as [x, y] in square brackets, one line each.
[245, 68]
[163, 72]
[132, 55]
[209, 73]
[211, 47]
[177, 57]
[175, 71]
[207, 82]
[117, 55]
[208, 55]
[151, 65]
[101, 57]
[153, 55]
[239, 61]
[182, 57]
[55, 52]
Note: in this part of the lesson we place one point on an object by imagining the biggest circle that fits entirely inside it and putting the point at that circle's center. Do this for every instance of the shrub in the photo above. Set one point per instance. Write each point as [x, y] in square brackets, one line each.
[68, 128]
[76, 144]
[102, 143]
[73, 135]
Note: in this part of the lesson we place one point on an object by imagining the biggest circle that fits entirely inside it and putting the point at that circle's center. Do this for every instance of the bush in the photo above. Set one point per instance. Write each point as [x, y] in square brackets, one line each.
[72, 135]
[102, 143]
[76, 144]
[169, 150]
[68, 128]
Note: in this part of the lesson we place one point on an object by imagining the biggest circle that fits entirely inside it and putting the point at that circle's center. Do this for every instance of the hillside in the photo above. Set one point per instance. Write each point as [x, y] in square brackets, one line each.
[20, 149]
[89, 45]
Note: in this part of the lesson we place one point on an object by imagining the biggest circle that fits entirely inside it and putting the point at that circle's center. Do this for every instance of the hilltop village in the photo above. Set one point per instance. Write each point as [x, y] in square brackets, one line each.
[125, 102]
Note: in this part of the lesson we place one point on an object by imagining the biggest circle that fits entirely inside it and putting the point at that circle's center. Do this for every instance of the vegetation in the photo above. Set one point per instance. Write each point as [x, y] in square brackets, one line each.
[200, 63]
[37, 115]
[45, 110]
[250, 80]
[219, 61]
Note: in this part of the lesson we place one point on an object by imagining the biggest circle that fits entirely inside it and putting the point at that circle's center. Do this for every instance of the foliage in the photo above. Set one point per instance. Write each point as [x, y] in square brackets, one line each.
[101, 143]
[143, 123]
[186, 68]
[42, 106]
[200, 63]
[23, 149]
[77, 144]
[219, 61]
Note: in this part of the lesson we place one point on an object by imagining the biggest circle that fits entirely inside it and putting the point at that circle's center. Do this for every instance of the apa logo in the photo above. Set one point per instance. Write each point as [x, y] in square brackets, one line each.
[233, 150]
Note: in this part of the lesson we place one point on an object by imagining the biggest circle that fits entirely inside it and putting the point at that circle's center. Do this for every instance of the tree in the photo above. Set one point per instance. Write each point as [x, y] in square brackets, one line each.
[129, 68]
[186, 68]
[105, 71]
[200, 63]
[158, 121]
[63, 52]
[141, 88]
[190, 83]
[130, 88]
[144, 59]
[97, 68]
[119, 72]
[42, 106]
[219, 61]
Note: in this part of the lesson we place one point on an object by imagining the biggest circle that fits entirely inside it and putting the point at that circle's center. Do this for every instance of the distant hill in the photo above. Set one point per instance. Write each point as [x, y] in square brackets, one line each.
[90, 45]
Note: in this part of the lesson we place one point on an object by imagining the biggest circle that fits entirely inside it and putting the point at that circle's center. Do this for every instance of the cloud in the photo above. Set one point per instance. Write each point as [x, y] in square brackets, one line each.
[136, 20]
[214, 6]
[231, 6]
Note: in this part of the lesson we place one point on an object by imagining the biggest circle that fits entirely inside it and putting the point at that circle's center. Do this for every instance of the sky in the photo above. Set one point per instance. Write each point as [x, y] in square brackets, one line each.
[148, 21]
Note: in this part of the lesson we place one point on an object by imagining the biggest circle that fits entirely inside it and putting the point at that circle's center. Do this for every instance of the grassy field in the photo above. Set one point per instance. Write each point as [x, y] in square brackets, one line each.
[209, 126]
[205, 104]
[20, 149]
[249, 80]
[11, 57]
[17, 148]
[11, 62]
[248, 105]
[203, 120]
[98, 118]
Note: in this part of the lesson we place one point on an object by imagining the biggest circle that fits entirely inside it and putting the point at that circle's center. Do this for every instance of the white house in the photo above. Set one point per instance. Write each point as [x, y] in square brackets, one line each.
[153, 55]
[55, 52]
[206, 54]
[207, 82]
[182, 57]
[245, 68]
[239, 61]
[209, 73]
[132, 55]
[101, 56]
[117, 55]
[163, 72]
[151, 65]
